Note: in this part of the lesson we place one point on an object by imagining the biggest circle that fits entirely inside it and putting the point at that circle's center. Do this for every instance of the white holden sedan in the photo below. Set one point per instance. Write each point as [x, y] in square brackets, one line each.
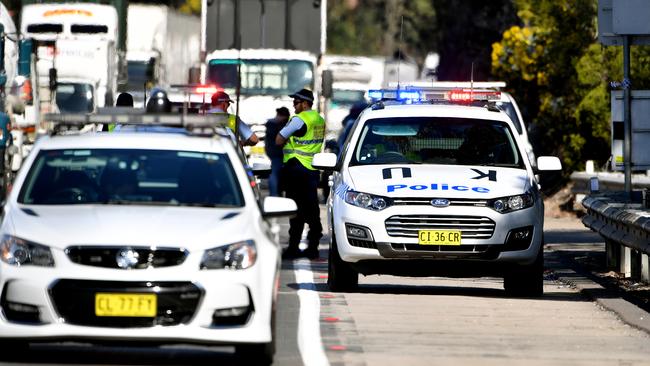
[139, 236]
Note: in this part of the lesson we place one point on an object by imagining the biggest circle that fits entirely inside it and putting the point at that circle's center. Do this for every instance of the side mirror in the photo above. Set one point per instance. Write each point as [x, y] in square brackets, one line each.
[278, 206]
[326, 83]
[548, 163]
[324, 161]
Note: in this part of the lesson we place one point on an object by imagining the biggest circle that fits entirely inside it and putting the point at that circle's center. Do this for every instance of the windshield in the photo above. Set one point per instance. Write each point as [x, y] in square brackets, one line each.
[141, 177]
[436, 140]
[268, 77]
[74, 97]
[139, 72]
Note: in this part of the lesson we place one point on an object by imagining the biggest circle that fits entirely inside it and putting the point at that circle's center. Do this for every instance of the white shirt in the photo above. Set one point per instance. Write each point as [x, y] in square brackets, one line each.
[291, 127]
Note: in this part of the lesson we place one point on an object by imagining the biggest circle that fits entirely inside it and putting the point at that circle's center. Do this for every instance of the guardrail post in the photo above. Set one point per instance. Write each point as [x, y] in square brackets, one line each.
[626, 262]
[635, 265]
[612, 255]
[645, 268]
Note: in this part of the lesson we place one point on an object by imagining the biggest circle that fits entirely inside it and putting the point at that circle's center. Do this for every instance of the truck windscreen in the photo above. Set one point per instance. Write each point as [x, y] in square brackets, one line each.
[267, 77]
[74, 97]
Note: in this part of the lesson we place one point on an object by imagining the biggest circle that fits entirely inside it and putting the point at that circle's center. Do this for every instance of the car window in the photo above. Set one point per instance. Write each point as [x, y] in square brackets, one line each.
[510, 111]
[127, 176]
[436, 140]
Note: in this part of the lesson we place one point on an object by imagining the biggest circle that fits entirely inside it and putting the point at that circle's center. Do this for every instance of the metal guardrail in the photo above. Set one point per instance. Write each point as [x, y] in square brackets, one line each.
[623, 222]
[609, 181]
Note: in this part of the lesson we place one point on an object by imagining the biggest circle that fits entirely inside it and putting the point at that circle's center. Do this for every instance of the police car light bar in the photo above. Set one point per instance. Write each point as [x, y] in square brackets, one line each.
[206, 89]
[449, 85]
[415, 95]
[473, 95]
[169, 120]
[409, 95]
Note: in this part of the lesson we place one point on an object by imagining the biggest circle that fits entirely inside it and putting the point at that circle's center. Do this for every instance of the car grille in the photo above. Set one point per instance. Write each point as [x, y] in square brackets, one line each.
[107, 256]
[441, 248]
[362, 243]
[471, 227]
[74, 300]
[427, 202]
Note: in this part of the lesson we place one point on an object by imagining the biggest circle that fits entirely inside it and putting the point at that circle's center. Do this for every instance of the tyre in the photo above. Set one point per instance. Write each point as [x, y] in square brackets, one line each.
[16, 346]
[258, 353]
[527, 281]
[341, 276]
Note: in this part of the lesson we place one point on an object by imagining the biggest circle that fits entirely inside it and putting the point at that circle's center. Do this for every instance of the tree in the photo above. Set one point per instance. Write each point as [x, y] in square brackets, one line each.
[539, 61]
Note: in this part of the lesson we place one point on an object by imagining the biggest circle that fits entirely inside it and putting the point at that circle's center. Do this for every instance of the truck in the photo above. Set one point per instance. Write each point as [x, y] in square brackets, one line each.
[160, 50]
[77, 59]
[8, 72]
[260, 51]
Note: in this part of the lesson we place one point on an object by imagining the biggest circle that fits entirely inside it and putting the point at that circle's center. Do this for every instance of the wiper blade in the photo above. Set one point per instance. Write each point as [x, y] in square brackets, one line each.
[205, 205]
[140, 203]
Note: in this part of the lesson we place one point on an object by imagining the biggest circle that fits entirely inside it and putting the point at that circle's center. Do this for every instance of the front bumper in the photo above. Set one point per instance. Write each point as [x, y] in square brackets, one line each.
[385, 246]
[64, 298]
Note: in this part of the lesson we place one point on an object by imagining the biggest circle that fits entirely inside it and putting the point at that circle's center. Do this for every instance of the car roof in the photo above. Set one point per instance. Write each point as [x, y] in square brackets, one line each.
[136, 140]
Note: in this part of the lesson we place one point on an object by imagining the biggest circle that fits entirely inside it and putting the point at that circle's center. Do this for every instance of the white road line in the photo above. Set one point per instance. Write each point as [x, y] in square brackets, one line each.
[309, 339]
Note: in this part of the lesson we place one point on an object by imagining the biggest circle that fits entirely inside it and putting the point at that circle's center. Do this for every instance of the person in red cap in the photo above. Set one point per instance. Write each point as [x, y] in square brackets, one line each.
[302, 138]
[220, 102]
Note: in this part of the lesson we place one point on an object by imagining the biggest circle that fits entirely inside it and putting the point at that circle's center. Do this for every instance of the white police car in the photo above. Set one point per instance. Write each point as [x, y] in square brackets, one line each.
[435, 188]
[139, 236]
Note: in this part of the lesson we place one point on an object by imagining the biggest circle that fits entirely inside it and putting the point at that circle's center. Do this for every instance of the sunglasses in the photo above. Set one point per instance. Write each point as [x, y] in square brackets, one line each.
[296, 102]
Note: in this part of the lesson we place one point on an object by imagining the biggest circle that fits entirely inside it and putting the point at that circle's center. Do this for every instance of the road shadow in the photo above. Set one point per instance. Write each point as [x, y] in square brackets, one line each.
[571, 236]
[86, 354]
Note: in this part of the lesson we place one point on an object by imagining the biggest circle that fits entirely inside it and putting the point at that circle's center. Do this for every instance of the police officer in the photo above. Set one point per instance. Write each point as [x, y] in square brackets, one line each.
[220, 102]
[302, 138]
[158, 102]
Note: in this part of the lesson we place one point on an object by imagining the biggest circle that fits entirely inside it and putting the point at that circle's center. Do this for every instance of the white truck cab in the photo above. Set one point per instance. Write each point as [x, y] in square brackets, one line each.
[79, 41]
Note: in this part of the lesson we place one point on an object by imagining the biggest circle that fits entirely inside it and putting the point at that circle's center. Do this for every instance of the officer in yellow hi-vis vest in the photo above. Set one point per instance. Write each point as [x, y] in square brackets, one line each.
[220, 103]
[302, 138]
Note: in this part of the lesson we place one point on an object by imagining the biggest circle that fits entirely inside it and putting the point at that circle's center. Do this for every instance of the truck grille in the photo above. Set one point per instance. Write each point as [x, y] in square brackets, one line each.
[472, 227]
[74, 300]
[98, 256]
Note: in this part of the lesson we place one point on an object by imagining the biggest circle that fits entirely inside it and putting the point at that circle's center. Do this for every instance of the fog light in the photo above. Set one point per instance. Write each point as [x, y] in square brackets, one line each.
[358, 232]
[21, 313]
[519, 238]
[231, 316]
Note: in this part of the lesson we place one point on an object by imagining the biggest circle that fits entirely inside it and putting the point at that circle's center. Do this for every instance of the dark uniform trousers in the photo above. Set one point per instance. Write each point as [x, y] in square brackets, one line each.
[301, 185]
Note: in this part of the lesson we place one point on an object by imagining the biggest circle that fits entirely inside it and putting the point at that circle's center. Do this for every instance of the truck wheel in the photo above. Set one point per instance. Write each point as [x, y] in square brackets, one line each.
[341, 276]
[527, 281]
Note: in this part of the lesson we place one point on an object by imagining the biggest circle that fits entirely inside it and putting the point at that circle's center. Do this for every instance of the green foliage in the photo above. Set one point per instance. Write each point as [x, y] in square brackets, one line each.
[372, 27]
[544, 62]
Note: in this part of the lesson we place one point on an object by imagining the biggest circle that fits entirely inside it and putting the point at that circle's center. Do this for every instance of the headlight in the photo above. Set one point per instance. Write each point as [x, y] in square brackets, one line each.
[239, 255]
[366, 200]
[512, 203]
[20, 252]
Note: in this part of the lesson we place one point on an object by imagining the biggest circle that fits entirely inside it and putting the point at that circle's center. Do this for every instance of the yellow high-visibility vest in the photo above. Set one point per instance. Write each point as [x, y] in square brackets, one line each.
[304, 148]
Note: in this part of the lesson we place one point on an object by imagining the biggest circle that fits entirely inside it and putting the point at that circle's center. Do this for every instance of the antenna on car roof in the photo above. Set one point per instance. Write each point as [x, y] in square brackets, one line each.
[399, 49]
[471, 82]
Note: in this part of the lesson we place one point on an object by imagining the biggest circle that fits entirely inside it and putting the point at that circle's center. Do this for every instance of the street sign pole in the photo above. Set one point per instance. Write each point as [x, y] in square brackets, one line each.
[627, 117]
